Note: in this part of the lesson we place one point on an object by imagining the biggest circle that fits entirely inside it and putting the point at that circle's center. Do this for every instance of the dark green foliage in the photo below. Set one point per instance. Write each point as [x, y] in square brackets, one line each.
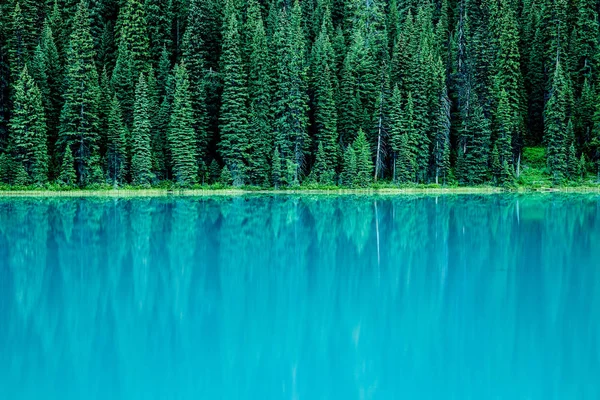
[79, 115]
[234, 113]
[349, 171]
[476, 135]
[276, 173]
[181, 138]
[214, 171]
[194, 57]
[364, 162]
[226, 177]
[278, 91]
[141, 158]
[116, 154]
[290, 102]
[133, 35]
[555, 124]
[260, 137]
[27, 129]
[67, 174]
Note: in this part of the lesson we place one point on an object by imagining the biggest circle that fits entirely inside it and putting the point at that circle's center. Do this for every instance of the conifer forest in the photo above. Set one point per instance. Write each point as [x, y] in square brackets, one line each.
[278, 93]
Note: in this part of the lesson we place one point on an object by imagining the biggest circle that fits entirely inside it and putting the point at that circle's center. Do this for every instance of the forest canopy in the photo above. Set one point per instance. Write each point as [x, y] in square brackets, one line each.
[276, 93]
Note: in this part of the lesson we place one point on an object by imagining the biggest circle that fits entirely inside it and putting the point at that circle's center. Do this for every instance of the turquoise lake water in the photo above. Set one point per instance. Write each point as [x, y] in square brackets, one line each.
[275, 297]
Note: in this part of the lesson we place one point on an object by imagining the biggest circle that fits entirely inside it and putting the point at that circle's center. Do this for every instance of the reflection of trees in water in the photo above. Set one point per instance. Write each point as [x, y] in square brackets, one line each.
[269, 295]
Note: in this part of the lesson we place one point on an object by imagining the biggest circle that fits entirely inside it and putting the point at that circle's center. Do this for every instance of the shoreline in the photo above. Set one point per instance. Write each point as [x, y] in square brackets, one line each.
[331, 192]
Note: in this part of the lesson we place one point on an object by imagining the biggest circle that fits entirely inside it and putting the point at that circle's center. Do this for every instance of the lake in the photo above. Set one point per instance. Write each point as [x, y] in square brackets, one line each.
[300, 297]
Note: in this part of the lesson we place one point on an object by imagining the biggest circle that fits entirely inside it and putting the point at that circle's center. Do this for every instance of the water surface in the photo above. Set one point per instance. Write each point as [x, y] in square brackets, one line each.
[284, 297]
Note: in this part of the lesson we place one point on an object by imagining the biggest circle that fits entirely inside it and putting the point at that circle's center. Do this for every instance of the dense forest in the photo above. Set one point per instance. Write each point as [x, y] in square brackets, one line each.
[280, 92]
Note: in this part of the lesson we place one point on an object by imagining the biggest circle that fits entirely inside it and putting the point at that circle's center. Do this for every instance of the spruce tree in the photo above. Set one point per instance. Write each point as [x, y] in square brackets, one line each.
[396, 128]
[159, 19]
[133, 35]
[116, 156]
[79, 115]
[276, 173]
[260, 137]
[349, 171]
[181, 139]
[123, 83]
[194, 56]
[324, 85]
[141, 157]
[476, 136]
[54, 75]
[555, 126]
[364, 163]
[28, 129]
[290, 102]
[234, 113]
[67, 174]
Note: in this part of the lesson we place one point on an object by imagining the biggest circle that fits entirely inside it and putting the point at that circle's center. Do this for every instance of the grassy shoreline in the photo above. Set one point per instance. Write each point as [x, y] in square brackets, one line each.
[143, 192]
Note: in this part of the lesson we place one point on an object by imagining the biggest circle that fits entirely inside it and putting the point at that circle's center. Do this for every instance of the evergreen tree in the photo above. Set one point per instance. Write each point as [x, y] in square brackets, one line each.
[260, 138]
[181, 139]
[123, 83]
[67, 174]
[79, 115]
[18, 42]
[290, 103]
[116, 156]
[324, 84]
[396, 128]
[133, 35]
[234, 122]
[349, 171]
[28, 129]
[364, 163]
[476, 145]
[159, 19]
[54, 76]
[194, 56]
[141, 158]
[276, 173]
[555, 126]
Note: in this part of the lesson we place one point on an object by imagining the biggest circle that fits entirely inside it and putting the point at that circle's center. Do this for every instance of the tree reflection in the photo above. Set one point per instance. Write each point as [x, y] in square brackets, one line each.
[307, 296]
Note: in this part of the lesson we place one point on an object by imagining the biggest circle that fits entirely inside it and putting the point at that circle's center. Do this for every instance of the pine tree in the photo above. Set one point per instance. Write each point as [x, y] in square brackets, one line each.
[496, 165]
[116, 156]
[233, 120]
[582, 167]
[442, 125]
[290, 102]
[349, 171]
[181, 139]
[555, 125]
[18, 43]
[67, 174]
[123, 83]
[28, 129]
[476, 136]
[133, 35]
[226, 177]
[321, 171]
[194, 57]
[509, 82]
[364, 163]
[159, 19]
[79, 115]
[396, 128]
[141, 158]
[54, 75]
[324, 85]
[214, 171]
[260, 138]
[276, 173]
